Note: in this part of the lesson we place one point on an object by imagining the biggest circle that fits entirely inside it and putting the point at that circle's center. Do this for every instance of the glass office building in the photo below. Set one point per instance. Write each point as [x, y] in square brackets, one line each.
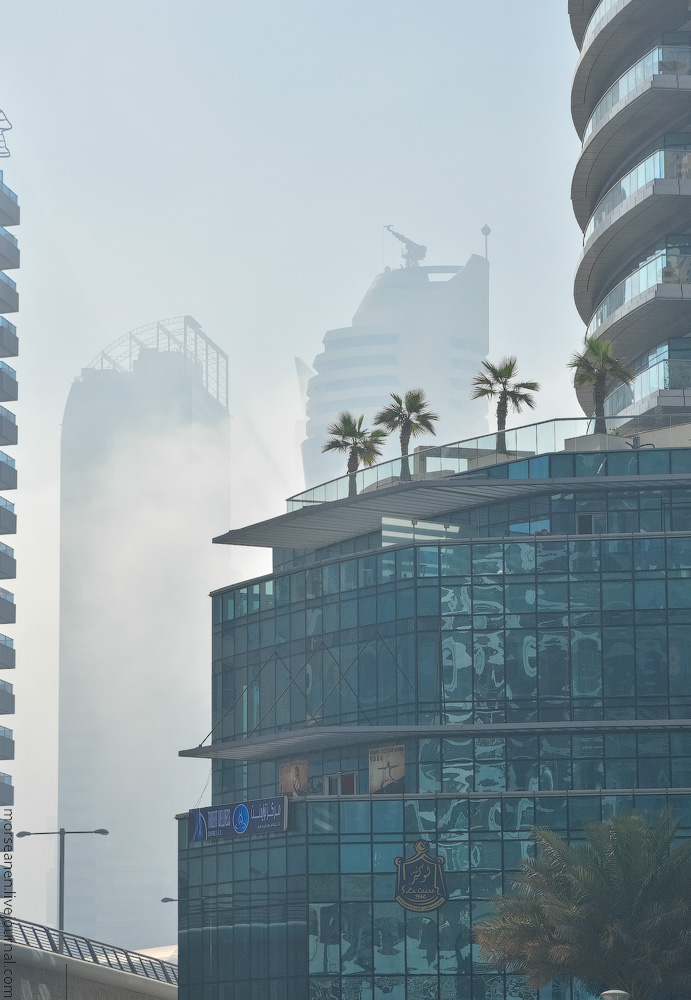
[502, 641]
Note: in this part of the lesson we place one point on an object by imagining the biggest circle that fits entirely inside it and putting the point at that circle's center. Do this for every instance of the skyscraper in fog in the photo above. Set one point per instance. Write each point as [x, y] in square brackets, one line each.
[417, 326]
[144, 480]
[9, 347]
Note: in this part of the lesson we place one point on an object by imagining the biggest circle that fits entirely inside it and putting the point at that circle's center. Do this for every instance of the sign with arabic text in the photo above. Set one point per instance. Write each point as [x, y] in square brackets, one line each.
[238, 819]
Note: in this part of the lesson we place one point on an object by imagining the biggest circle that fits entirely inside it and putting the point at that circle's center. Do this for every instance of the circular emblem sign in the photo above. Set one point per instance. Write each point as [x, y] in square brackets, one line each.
[241, 818]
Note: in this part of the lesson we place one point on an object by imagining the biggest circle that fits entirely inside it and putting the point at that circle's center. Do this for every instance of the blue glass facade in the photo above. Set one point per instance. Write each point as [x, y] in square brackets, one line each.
[534, 668]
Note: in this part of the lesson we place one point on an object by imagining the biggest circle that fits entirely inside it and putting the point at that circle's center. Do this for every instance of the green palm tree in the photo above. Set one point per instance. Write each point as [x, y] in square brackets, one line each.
[362, 445]
[614, 913]
[597, 367]
[409, 416]
[498, 382]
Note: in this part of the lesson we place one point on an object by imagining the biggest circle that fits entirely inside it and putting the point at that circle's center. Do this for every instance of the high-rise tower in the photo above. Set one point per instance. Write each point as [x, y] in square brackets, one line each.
[631, 105]
[145, 473]
[9, 347]
[417, 326]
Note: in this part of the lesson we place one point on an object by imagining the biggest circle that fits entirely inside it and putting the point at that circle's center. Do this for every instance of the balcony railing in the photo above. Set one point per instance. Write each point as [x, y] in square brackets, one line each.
[669, 266]
[6, 641]
[668, 59]
[473, 454]
[671, 164]
[8, 281]
[671, 373]
[600, 12]
[8, 236]
[76, 946]
[8, 191]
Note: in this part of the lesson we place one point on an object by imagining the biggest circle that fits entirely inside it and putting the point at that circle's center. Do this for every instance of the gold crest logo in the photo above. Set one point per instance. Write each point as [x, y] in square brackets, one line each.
[420, 880]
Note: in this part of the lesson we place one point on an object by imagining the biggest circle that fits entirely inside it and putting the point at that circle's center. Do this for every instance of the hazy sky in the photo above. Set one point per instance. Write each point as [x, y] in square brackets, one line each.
[237, 162]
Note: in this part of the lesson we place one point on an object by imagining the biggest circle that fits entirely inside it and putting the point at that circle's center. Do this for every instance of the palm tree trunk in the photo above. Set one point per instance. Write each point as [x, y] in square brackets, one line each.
[353, 462]
[502, 409]
[600, 423]
[405, 465]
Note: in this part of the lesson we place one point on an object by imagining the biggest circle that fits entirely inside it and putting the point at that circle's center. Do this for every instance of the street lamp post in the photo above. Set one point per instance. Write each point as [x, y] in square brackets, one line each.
[61, 833]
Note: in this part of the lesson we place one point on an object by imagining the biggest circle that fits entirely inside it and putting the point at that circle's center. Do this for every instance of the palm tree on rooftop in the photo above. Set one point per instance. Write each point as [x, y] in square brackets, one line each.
[597, 367]
[361, 444]
[614, 912]
[411, 417]
[499, 382]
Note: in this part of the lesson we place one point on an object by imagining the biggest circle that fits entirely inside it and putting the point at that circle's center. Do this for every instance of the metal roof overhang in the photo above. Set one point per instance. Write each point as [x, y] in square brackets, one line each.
[326, 523]
[316, 738]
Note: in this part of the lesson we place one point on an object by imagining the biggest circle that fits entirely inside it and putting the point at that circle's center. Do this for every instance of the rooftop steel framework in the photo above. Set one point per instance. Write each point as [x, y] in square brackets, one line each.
[178, 335]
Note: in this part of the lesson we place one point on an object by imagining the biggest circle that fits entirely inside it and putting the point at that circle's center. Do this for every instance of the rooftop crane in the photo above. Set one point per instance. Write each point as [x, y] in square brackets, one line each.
[413, 253]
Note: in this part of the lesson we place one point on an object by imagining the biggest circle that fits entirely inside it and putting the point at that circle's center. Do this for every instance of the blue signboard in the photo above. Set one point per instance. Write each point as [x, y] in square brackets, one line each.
[257, 816]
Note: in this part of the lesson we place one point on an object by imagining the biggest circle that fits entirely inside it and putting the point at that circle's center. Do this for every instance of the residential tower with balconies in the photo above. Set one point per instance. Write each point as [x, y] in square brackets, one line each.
[631, 193]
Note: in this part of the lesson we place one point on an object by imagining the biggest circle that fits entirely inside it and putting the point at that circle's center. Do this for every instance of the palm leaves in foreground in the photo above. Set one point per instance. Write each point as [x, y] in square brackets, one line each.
[498, 382]
[614, 913]
[362, 445]
[410, 416]
[597, 367]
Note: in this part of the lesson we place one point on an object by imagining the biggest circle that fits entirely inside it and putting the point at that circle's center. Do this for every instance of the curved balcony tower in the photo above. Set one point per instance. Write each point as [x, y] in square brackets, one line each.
[631, 193]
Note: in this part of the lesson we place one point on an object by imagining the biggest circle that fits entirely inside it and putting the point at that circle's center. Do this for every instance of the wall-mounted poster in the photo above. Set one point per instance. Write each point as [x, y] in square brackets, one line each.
[292, 778]
[387, 770]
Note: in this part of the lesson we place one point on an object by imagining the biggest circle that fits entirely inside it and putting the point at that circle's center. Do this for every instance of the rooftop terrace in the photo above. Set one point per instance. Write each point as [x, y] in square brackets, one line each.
[475, 456]
[539, 457]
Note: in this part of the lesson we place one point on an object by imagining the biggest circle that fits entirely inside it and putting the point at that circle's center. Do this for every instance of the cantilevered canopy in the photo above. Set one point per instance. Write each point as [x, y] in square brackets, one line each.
[327, 523]
[314, 738]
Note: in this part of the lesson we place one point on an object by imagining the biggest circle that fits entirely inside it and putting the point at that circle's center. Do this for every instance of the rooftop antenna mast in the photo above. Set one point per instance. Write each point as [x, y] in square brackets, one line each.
[413, 253]
[486, 232]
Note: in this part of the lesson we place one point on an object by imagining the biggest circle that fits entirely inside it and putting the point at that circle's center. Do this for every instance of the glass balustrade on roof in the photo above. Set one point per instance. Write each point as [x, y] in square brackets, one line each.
[668, 59]
[474, 456]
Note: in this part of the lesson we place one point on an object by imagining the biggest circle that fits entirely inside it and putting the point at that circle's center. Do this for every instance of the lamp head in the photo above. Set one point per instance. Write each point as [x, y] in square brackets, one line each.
[168, 899]
[23, 833]
[104, 833]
